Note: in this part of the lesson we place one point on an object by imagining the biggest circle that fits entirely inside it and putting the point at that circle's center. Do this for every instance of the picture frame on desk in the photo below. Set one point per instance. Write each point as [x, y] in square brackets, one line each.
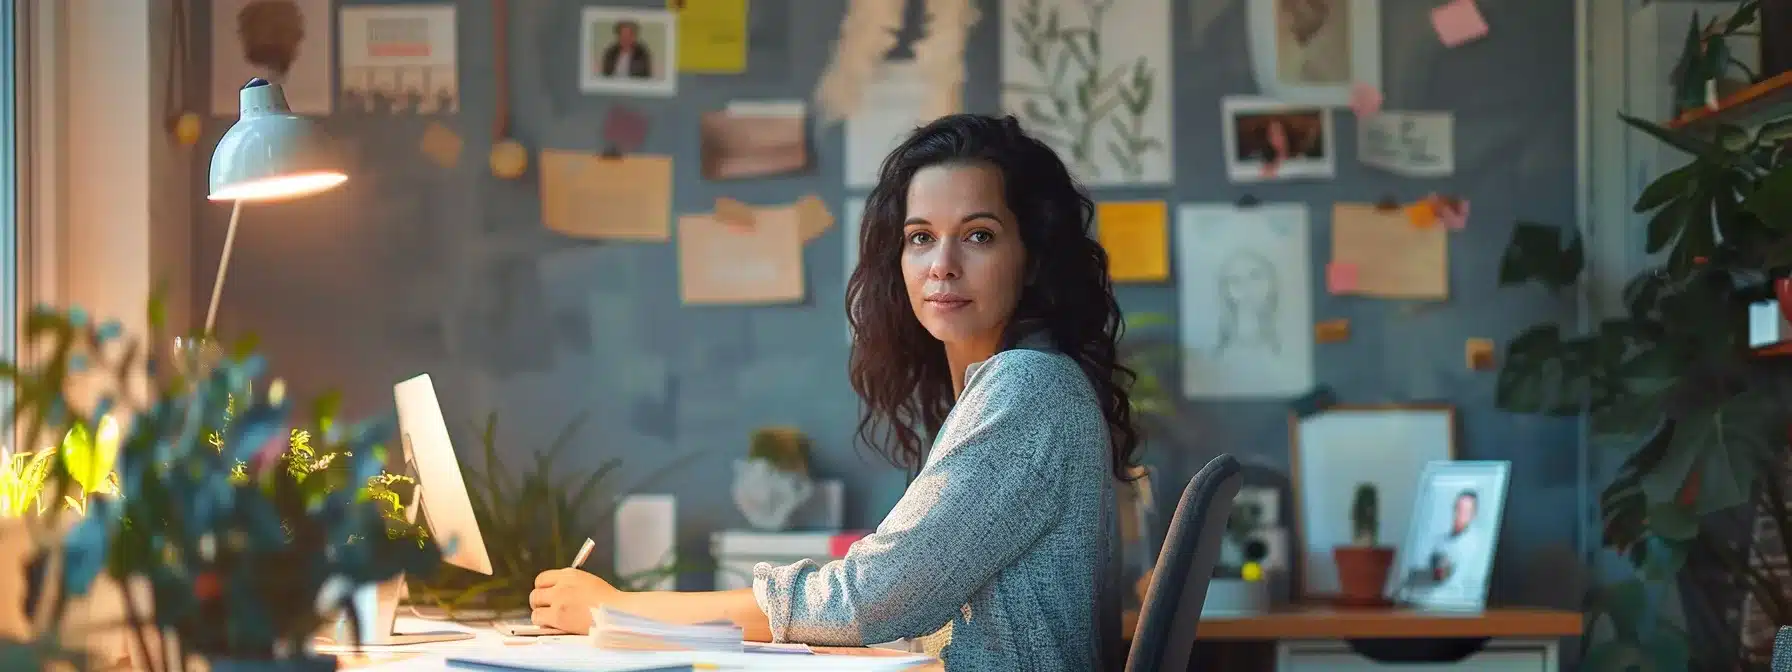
[1332, 452]
[1447, 558]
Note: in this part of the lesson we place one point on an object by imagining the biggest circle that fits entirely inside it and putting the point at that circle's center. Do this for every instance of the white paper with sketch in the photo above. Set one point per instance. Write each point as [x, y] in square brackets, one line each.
[890, 111]
[1412, 144]
[1244, 285]
[852, 213]
[1121, 133]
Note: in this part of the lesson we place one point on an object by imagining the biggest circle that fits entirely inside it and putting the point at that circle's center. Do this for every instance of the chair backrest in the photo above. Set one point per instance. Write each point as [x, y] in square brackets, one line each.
[1165, 639]
[1782, 650]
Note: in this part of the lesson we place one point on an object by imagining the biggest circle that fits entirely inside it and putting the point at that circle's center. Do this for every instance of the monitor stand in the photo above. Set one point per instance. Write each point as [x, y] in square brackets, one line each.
[377, 606]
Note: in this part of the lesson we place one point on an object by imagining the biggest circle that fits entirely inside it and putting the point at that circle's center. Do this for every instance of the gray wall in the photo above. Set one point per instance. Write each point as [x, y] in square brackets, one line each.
[412, 268]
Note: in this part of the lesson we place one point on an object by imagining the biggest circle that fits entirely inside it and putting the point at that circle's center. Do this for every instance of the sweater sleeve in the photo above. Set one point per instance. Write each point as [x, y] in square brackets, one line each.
[983, 498]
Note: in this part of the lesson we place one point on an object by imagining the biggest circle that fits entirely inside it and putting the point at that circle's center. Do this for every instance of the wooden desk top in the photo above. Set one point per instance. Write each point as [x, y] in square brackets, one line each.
[352, 661]
[1334, 623]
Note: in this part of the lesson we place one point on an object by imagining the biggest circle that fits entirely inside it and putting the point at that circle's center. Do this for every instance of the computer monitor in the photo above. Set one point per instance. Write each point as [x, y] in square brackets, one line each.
[440, 496]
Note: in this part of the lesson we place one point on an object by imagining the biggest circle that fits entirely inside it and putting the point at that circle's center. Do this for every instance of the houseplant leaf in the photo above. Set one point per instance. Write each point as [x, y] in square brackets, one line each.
[1666, 188]
[1772, 199]
[1536, 252]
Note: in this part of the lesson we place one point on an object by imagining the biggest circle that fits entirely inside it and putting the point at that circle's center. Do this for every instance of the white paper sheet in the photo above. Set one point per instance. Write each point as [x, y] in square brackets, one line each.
[893, 98]
[1118, 133]
[570, 658]
[406, 54]
[1412, 144]
[1244, 280]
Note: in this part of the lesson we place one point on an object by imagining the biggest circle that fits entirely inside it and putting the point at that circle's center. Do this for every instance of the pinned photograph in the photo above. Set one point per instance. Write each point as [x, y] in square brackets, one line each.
[628, 52]
[1268, 140]
[1315, 52]
[283, 41]
[400, 59]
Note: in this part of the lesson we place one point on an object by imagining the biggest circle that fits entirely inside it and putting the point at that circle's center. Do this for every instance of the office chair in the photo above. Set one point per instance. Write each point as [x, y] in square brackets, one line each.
[1165, 639]
[1782, 650]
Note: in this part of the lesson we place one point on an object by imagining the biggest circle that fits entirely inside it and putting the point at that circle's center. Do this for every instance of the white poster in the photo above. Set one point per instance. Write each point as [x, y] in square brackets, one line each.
[403, 56]
[851, 215]
[893, 98]
[1244, 285]
[1092, 78]
[1412, 144]
[282, 41]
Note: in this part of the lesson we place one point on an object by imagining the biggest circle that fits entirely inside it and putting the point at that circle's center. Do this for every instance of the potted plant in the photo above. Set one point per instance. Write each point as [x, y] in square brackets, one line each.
[1363, 565]
[238, 572]
[773, 480]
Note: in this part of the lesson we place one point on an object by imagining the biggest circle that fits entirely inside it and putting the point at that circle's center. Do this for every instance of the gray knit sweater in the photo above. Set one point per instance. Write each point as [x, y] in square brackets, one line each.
[1004, 534]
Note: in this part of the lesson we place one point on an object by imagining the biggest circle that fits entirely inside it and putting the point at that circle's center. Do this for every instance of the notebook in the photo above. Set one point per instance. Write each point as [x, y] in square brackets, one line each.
[575, 658]
[621, 631]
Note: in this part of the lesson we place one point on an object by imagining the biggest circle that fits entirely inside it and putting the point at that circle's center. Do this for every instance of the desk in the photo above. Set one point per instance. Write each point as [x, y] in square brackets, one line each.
[1317, 637]
[485, 637]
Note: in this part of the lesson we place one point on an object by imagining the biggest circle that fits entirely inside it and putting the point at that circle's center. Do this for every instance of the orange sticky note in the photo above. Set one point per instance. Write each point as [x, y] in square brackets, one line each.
[1458, 22]
[1479, 354]
[1422, 214]
[1332, 331]
[1340, 277]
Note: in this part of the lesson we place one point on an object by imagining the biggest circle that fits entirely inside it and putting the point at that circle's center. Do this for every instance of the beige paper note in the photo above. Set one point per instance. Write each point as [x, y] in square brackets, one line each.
[809, 213]
[588, 196]
[734, 212]
[720, 263]
[1387, 256]
[441, 144]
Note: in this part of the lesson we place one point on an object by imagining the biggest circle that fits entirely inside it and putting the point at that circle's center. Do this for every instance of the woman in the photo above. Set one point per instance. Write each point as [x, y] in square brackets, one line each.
[983, 318]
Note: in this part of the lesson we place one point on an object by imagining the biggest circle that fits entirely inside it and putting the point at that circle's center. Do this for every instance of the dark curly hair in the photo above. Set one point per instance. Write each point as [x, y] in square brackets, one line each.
[900, 370]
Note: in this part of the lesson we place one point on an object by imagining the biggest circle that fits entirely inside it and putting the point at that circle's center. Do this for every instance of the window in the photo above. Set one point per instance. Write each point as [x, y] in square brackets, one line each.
[10, 159]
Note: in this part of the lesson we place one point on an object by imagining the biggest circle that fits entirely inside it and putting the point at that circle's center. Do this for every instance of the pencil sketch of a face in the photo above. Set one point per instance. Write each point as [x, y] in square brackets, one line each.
[1248, 294]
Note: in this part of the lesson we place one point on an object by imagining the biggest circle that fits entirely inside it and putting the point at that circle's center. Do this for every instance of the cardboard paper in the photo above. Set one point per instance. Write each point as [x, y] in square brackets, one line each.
[719, 264]
[588, 196]
[1389, 257]
[1136, 235]
[757, 140]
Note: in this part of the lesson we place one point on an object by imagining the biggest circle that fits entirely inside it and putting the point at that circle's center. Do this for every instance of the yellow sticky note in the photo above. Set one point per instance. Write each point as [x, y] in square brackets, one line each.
[712, 35]
[1136, 235]
[441, 145]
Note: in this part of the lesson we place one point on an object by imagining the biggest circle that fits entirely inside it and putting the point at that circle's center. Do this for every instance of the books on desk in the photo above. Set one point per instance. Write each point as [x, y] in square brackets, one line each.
[573, 658]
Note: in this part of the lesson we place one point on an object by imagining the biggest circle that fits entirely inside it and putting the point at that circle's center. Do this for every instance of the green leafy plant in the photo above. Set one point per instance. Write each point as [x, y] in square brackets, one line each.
[1698, 418]
[1365, 516]
[23, 476]
[786, 448]
[1147, 359]
[202, 539]
[1706, 57]
[532, 521]
[1083, 104]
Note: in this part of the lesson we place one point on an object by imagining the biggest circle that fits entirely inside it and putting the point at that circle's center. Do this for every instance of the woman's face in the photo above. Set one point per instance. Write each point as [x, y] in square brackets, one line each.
[963, 262]
[1278, 137]
[1247, 284]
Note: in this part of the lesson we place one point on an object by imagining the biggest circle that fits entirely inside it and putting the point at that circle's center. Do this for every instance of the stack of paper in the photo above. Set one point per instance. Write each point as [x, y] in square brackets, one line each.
[612, 629]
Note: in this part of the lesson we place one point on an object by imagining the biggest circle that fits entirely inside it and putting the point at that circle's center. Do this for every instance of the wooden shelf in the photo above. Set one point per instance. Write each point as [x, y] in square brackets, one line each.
[1319, 622]
[1763, 102]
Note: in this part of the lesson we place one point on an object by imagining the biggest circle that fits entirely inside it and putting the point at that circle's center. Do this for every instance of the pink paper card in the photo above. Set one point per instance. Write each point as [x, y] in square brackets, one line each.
[625, 128]
[1340, 277]
[1453, 213]
[1458, 22]
[1365, 100]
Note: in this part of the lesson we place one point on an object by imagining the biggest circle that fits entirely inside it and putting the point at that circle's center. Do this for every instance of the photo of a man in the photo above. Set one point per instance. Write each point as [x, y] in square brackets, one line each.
[626, 56]
[1447, 559]
[1459, 544]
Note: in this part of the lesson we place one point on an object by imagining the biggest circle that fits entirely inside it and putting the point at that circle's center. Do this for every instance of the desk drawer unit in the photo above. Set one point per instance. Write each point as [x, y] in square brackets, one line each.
[1498, 656]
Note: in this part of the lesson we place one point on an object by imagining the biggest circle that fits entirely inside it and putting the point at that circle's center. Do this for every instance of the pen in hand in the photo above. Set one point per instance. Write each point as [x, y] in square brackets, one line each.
[584, 553]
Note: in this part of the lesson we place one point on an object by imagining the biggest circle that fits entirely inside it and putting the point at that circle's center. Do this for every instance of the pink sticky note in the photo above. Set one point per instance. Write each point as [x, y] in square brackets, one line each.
[625, 128]
[1365, 100]
[1454, 214]
[1458, 22]
[1340, 277]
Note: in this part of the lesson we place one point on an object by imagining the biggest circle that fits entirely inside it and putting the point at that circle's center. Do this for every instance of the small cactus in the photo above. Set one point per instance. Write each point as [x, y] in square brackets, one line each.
[1365, 515]
[786, 448]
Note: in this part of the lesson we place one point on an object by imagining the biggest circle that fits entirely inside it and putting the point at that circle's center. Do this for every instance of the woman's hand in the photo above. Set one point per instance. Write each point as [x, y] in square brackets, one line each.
[563, 599]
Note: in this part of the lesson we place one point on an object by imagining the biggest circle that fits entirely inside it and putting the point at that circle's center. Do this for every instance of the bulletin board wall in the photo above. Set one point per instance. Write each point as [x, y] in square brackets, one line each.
[413, 267]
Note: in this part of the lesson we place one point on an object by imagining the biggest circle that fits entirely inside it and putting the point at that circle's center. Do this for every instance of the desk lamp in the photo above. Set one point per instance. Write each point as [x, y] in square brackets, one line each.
[270, 154]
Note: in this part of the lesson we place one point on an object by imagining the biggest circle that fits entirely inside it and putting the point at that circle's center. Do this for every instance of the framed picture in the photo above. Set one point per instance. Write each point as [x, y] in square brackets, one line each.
[1313, 52]
[1447, 558]
[1334, 451]
[1268, 140]
[628, 51]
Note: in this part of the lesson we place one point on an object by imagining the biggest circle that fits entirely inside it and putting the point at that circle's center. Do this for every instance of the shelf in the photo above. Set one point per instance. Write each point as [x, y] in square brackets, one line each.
[1760, 103]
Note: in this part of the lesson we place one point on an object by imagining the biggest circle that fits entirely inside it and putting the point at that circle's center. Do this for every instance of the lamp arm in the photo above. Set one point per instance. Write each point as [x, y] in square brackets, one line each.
[211, 313]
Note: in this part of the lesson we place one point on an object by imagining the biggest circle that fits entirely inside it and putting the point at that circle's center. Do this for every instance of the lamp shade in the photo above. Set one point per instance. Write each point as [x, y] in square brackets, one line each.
[271, 153]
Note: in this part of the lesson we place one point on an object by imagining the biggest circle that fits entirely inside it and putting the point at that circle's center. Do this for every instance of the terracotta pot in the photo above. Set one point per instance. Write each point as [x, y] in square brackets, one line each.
[1362, 574]
[1782, 290]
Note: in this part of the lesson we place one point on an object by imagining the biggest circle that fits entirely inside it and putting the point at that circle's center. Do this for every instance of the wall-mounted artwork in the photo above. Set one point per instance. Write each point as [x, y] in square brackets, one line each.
[1267, 140]
[283, 41]
[1092, 79]
[401, 58]
[1244, 285]
[628, 52]
[1313, 51]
